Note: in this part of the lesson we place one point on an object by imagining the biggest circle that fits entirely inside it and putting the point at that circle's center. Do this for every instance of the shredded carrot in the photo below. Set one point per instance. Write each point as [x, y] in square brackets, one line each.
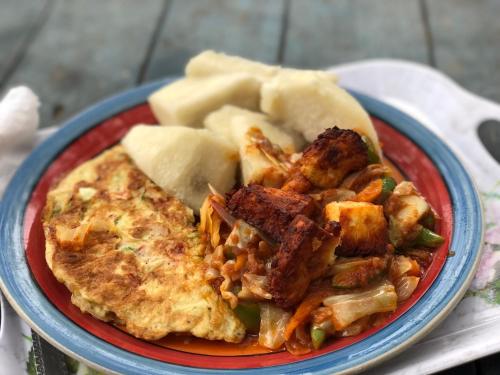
[241, 260]
[311, 302]
[371, 191]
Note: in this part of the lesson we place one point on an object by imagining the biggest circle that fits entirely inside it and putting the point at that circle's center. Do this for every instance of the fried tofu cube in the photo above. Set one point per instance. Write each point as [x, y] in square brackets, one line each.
[364, 227]
[303, 255]
[183, 161]
[332, 156]
[188, 101]
[269, 210]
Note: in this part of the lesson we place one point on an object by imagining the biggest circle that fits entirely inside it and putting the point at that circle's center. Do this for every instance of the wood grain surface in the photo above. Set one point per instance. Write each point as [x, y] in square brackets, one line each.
[249, 28]
[466, 38]
[340, 31]
[85, 51]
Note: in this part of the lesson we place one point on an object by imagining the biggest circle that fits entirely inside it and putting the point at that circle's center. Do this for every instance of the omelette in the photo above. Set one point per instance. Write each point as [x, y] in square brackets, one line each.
[130, 253]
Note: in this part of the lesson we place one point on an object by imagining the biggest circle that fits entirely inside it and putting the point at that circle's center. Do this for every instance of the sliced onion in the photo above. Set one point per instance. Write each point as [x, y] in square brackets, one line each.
[273, 321]
[405, 287]
[223, 212]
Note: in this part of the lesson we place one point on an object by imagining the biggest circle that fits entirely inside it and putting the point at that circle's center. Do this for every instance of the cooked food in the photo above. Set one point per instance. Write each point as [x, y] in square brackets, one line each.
[332, 156]
[309, 104]
[310, 244]
[187, 101]
[271, 210]
[364, 227]
[264, 148]
[130, 254]
[304, 255]
[183, 161]
[339, 245]
[233, 123]
[209, 63]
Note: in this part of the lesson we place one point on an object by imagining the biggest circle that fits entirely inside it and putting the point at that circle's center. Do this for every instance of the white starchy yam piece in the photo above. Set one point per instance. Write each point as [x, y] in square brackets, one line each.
[210, 63]
[233, 123]
[188, 101]
[305, 102]
[183, 161]
[220, 121]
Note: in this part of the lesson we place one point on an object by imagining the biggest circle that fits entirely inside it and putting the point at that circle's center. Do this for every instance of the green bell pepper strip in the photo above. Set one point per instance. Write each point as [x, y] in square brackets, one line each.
[373, 157]
[428, 238]
[249, 314]
[318, 336]
[388, 185]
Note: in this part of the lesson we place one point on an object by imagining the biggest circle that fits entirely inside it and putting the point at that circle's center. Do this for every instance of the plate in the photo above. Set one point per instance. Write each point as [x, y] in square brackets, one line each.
[44, 303]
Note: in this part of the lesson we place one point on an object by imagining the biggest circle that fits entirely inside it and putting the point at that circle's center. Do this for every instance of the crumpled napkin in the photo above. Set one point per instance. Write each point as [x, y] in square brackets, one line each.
[19, 120]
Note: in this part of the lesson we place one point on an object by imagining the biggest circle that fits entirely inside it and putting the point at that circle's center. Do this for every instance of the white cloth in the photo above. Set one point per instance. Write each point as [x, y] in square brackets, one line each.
[425, 94]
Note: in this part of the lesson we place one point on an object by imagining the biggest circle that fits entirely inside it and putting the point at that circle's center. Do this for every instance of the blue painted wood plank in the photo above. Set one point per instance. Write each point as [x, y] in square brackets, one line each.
[466, 37]
[323, 33]
[18, 22]
[244, 27]
[86, 50]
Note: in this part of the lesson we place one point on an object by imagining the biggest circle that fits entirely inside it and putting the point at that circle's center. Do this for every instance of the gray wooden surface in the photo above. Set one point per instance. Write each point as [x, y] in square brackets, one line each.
[75, 52]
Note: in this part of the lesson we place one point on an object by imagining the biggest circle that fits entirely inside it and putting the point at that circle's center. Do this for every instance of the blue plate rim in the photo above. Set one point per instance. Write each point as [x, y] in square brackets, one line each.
[29, 302]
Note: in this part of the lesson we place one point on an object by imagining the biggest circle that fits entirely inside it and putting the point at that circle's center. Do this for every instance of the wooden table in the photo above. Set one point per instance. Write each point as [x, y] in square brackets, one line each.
[73, 53]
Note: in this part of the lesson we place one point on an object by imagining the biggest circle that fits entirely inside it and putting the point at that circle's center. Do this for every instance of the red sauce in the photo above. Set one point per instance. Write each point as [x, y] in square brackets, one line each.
[191, 344]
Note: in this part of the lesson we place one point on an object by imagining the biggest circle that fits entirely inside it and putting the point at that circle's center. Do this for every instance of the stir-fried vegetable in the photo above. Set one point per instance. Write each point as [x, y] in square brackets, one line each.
[422, 256]
[405, 208]
[405, 275]
[427, 238]
[249, 314]
[273, 321]
[373, 157]
[210, 220]
[356, 328]
[429, 220]
[318, 336]
[308, 304]
[388, 185]
[384, 232]
[349, 273]
[402, 265]
[377, 191]
[348, 308]
[356, 181]
[405, 287]
[371, 192]
[254, 287]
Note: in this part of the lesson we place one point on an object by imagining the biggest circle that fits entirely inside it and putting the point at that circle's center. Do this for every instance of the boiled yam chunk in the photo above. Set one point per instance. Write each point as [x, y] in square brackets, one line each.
[188, 101]
[248, 131]
[183, 161]
[210, 63]
[234, 122]
[308, 104]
